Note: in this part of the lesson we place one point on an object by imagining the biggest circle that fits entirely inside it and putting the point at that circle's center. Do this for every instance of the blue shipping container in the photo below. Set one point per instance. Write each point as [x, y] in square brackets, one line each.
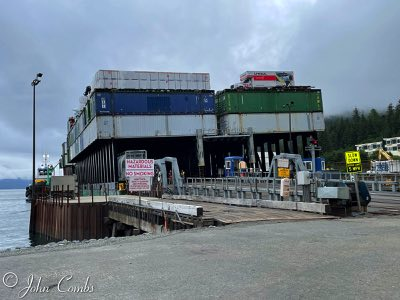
[154, 103]
[102, 103]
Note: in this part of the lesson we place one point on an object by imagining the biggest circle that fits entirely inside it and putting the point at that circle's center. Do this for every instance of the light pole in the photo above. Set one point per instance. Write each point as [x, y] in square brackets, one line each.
[34, 83]
[289, 106]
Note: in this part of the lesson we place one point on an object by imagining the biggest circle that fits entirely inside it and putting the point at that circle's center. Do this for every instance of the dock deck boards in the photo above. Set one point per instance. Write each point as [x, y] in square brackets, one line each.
[230, 214]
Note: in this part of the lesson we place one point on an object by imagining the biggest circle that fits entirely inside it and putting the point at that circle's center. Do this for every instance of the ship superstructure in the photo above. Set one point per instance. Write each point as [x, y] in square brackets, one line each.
[178, 115]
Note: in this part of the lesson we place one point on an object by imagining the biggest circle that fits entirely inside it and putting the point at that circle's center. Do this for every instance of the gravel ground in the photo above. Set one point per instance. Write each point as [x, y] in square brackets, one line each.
[354, 258]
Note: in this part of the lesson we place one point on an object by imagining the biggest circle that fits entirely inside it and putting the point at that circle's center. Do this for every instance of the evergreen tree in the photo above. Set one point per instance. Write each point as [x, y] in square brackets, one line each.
[396, 124]
[343, 132]
[390, 121]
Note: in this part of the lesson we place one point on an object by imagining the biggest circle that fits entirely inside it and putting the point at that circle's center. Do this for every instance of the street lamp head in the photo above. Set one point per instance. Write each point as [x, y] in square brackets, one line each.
[38, 77]
[37, 80]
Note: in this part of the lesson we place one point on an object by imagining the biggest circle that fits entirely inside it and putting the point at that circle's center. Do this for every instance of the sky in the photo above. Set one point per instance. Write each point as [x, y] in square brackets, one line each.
[349, 49]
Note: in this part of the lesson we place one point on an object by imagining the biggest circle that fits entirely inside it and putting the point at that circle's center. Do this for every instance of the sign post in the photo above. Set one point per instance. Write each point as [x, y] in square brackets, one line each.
[353, 165]
[139, 172]
[353, 162]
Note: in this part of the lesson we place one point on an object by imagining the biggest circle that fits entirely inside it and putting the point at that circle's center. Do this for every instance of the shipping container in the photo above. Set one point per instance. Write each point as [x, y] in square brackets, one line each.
[81, 142]
[109, 79]
[268, 101]
[141, 126]
[163, 125]
[131, 102]
[271, 122]
[102, 103]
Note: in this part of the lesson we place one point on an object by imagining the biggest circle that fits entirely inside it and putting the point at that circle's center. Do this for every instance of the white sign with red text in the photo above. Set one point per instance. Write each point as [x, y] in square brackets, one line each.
[139, 167]
[139, 184]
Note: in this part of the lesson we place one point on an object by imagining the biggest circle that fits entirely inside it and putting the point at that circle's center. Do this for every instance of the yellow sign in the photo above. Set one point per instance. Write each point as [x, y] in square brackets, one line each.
[353, 161]
[354, 168]
[284, 172]
[352, 157]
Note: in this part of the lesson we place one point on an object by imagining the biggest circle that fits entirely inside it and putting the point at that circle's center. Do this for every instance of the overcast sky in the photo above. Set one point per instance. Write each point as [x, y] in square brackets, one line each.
[349, 49]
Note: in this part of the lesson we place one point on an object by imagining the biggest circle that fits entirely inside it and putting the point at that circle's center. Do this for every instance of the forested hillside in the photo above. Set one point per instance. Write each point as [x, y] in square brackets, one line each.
[14, 183]
[343, 132]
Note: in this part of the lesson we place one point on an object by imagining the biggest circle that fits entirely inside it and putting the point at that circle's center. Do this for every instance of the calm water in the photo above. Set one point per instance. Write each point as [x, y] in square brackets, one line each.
[14, 219]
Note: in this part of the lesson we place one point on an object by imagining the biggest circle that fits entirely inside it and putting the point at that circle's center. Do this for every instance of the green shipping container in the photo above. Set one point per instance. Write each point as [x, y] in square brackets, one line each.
[268, 101]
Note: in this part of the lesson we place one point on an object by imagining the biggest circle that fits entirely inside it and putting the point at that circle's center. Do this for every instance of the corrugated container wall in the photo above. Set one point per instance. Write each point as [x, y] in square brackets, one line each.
[268, 101]
[123, 102]
[109, 79]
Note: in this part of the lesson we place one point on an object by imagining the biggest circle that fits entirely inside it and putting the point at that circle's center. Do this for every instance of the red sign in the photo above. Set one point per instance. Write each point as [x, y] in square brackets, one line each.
[265, 78]
[139, 167]
[139, 184]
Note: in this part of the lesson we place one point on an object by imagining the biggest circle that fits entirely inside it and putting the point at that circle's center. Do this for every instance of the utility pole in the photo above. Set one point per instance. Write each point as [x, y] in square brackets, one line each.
[312, 148]
[34, 83]
[289, 106]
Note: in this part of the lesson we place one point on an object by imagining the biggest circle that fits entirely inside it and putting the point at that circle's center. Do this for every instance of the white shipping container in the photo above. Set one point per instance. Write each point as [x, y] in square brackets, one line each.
[173, 85]
[191, 85]
[108, 79]
[272, 123]
[163, 83]
[166, 125]
[126, 75]
[184, 83]
[132, 84]
[183, 76]
[154, 76]
[144, 76]
[154, 85]
[87, 137]
[108, 74]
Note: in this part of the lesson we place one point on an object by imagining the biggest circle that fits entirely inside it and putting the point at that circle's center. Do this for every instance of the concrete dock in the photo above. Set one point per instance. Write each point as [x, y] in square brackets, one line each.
[354, 258]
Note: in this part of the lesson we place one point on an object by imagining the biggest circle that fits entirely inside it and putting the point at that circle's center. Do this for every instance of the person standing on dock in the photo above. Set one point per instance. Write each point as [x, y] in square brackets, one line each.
[242, 168]
[170, 177]
[183, 175]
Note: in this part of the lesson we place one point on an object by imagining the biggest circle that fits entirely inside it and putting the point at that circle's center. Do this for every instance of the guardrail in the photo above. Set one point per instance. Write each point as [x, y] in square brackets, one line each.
[269, 188]
[244, 188]
[378, 182]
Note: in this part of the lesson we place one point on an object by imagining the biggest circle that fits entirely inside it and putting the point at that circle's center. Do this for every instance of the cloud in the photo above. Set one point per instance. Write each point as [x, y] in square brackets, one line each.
[346, 49]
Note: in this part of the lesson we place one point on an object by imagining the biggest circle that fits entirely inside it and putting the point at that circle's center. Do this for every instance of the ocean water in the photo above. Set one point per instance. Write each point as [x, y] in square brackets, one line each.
[14, 219]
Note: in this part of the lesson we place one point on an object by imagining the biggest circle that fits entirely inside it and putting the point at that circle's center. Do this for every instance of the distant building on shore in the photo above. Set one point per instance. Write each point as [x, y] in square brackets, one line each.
[391, 145]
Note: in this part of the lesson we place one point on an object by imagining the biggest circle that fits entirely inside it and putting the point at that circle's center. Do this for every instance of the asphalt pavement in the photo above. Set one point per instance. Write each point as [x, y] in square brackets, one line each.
[353, 258]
